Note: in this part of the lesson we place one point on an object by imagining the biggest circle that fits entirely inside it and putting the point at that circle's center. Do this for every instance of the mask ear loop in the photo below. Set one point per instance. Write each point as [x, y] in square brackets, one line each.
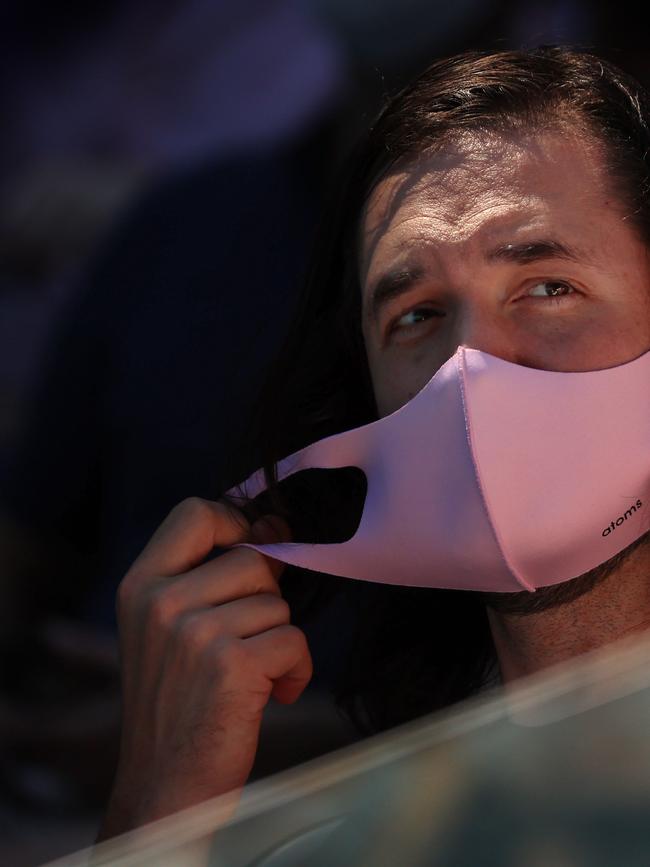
[354, 448]
[349, 448]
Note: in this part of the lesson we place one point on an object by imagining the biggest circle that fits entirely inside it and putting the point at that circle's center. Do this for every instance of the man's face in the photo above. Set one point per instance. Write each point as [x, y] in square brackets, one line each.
[516, 246]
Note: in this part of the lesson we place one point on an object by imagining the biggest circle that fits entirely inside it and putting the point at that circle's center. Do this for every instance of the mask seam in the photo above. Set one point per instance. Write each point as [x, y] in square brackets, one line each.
[477, 472]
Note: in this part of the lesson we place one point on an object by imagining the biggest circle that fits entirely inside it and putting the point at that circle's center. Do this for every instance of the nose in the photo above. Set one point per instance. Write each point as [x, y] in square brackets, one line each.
[479, 327]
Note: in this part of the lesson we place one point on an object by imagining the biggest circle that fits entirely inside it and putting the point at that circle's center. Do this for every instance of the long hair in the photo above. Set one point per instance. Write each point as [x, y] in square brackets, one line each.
[416, 649]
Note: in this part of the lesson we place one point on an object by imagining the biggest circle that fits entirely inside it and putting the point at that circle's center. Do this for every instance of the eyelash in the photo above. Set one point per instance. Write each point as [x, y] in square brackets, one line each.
[557, 300]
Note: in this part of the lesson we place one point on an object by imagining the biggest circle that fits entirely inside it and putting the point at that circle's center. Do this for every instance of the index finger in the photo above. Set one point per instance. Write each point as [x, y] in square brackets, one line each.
[188, 534]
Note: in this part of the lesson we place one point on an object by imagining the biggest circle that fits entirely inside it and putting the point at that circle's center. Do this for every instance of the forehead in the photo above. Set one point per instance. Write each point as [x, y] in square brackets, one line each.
[485, 188]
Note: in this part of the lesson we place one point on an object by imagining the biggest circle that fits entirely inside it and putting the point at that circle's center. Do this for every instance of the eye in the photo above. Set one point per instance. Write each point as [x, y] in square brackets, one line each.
[551, 290]
[554, 293]
[413, 318]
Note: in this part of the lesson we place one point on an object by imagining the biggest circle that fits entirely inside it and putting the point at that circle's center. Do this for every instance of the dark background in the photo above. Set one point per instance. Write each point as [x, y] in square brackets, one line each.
[162, 170]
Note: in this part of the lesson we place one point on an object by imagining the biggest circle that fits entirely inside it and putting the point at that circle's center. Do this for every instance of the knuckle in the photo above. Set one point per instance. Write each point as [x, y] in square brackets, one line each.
[129, 595]
[230, 653]
[162, 608]
[196, 632]
[125, 596]
[191, 508]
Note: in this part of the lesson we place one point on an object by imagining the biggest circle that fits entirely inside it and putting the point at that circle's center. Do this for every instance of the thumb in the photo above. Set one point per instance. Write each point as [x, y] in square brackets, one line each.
[270, 528]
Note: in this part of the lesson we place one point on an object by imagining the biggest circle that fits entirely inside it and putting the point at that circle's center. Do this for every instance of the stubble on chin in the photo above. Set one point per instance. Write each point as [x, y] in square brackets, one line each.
[525, 603]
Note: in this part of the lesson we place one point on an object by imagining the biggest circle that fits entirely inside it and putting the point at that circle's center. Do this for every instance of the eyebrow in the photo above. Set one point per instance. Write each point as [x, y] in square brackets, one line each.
[398, 281]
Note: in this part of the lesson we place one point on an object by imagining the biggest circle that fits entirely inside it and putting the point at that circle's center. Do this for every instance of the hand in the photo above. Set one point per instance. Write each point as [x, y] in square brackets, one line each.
[203, 645]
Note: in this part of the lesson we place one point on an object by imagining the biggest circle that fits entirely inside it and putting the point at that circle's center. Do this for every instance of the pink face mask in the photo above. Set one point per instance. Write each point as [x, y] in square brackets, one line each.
[494, 477]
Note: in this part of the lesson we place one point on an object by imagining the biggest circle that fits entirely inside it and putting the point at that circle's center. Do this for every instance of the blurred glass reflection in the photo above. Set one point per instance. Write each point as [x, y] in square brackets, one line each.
[555, 771]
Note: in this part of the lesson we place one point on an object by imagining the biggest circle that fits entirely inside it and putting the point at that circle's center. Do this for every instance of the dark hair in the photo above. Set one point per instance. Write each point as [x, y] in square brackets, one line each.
[416, 649]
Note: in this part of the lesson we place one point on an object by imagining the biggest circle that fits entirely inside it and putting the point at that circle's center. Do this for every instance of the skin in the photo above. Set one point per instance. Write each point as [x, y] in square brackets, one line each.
[442, 215]
[204, 645]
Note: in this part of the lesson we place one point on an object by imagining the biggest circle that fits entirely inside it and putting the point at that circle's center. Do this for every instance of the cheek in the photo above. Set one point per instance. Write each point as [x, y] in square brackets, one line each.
[619, 333]
[397, 378]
